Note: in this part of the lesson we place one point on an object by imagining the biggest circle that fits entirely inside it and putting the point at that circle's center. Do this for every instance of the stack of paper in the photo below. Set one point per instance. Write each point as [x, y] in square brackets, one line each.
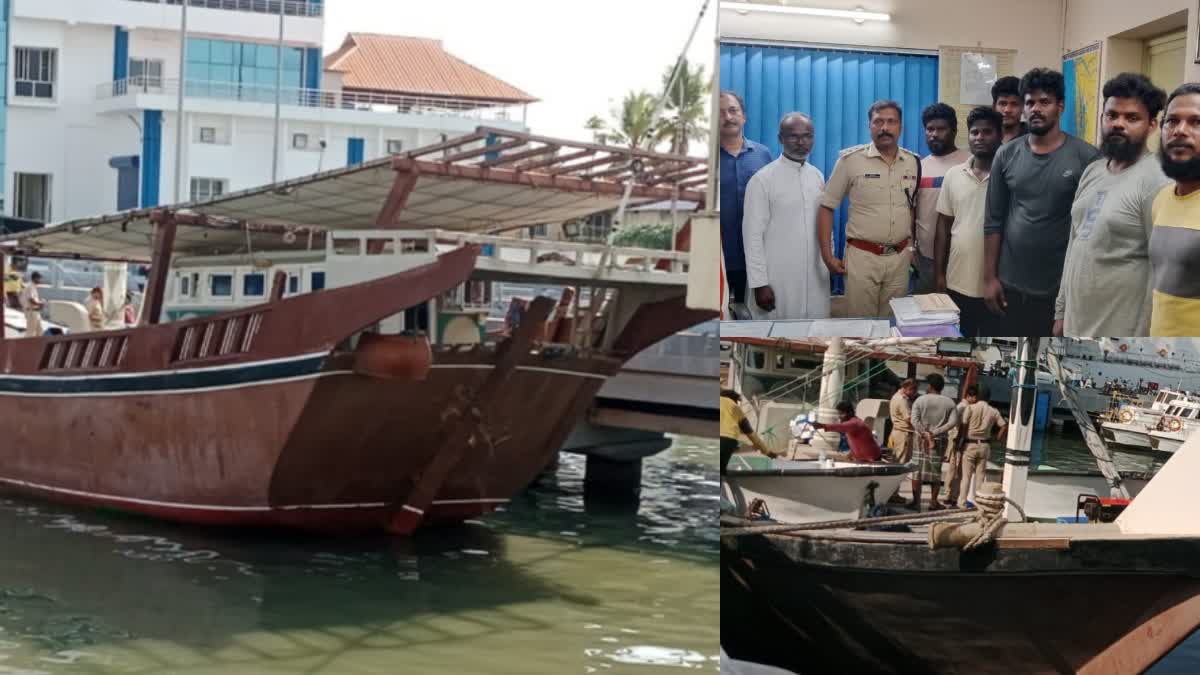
[931, 315]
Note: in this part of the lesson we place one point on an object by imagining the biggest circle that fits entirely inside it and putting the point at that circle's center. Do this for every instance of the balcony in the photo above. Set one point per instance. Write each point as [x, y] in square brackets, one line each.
[290, 7]
[161, 94]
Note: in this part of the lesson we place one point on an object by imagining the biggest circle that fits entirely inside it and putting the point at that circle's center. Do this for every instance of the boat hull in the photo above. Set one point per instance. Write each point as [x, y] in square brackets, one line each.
[1131, 435]
[1166, 441]
[805, 493]
[312, 446]
[1053, 494]
[817, 606]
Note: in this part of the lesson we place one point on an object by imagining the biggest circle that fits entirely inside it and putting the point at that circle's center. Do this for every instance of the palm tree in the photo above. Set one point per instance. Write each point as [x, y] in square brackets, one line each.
[629, 124]
[687, 108]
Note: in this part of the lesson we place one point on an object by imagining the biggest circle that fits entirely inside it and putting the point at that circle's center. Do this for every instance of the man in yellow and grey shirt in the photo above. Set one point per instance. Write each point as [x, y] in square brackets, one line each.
[881, 179]
[733, 423]
[1175, 242]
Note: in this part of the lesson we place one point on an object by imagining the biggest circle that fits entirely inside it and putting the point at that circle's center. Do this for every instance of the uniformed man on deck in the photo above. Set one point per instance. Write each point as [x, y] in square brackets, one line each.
[881, 179]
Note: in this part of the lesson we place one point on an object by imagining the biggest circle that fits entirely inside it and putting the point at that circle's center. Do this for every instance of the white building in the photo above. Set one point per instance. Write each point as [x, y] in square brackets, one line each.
[88, 124]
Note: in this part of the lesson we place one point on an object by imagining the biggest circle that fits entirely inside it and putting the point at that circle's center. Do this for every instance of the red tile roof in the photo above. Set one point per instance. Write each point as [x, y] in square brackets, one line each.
[414, 66]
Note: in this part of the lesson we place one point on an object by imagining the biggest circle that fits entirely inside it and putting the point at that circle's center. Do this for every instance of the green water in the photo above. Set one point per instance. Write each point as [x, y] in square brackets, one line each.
[550, 585]
[1068, 452]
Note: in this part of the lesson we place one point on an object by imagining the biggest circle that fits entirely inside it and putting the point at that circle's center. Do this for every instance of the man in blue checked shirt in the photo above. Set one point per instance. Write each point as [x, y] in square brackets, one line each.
[741, 158]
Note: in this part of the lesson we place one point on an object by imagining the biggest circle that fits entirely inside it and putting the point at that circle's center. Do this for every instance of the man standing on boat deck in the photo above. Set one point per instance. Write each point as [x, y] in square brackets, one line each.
[978, 419]
[1106, 285]
[1175, 244]
[733, 422]
[95, 310]
[32, 305]
[741, 158]
[1028, 217]
[863, 446]
[881, 179]
[933, 415]
[941, 127]
[783, 260]
[900, 410]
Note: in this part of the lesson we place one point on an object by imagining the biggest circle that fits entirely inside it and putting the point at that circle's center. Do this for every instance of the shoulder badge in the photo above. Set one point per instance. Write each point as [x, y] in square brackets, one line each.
[853, 148]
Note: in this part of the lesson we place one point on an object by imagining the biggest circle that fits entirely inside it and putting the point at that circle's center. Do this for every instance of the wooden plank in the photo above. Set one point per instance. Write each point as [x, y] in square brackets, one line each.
[1169, 622]
[160, 265]
[1038, 543]
[455, 142]
[551, 161]
[497, 147]
[518, 156]
[402, 188]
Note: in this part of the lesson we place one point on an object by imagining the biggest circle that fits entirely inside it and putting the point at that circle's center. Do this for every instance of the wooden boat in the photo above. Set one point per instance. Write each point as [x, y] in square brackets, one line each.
[1039, 598]
[299, 411]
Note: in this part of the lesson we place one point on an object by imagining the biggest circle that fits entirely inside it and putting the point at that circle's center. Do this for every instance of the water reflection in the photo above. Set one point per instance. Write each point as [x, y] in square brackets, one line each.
[549, 586]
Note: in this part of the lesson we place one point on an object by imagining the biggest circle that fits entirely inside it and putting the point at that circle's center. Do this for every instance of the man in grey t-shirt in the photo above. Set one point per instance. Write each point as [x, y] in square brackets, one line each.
[1106, 284]
[1028, 219]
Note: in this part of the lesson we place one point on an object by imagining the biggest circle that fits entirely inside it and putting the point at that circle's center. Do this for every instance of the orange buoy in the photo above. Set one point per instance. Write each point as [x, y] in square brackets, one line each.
[406, 356]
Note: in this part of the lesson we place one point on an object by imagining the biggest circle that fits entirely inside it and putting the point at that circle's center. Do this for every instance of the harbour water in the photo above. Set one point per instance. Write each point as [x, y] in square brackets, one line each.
[550, 585]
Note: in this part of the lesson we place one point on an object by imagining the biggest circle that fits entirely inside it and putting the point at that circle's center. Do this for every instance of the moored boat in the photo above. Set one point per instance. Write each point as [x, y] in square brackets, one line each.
[323, 410]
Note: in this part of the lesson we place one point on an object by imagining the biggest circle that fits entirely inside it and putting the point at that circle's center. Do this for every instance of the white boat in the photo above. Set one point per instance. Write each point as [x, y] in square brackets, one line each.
[1175, 426]
[1130, 434]
[805, 491]
[1052, 493]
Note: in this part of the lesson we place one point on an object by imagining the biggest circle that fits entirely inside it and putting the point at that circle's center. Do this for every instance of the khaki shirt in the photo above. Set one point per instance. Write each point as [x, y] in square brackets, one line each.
[879, 209]
[979, 418]
[900, 410]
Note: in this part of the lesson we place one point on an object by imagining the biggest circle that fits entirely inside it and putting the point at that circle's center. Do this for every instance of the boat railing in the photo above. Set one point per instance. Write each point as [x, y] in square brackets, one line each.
[85, 352]
[559, 253]
[229, 334]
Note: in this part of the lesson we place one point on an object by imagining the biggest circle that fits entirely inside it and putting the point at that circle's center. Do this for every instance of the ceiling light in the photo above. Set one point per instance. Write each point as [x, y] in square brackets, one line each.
[858, 15]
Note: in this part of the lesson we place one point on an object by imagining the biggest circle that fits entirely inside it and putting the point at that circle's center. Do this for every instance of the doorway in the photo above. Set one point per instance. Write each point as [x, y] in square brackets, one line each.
[1163, 61]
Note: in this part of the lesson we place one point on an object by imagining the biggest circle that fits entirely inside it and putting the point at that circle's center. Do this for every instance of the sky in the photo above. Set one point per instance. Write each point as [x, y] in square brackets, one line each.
[579, 58]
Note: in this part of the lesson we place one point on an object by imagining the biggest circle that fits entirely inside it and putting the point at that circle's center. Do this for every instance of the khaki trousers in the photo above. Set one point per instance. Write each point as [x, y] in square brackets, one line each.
[902, 446]
[873, 280]
[974, 465]
[33, 323]
[951, 465]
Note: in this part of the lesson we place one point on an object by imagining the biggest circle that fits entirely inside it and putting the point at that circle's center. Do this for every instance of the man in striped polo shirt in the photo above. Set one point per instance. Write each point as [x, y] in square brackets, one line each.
[1175, 242]
[941, 128]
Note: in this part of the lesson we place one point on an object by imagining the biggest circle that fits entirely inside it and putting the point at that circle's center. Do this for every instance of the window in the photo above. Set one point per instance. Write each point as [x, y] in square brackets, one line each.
[293, 283]
[185, 288]
[318, 281]
[254, 285]
[204, 189]
[208, 134]
[414, 246]
[300, 141]
[35, 73]
[241, 70]
[381, 246]
[346, 247]
[221, 285]
[33, 196]
[537, 230]
[145, 73]
[395, 147]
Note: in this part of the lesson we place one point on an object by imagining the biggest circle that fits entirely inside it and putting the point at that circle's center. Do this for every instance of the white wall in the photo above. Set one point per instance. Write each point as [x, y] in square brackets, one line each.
[64, 137]
[1032, 27]
[1090, 21]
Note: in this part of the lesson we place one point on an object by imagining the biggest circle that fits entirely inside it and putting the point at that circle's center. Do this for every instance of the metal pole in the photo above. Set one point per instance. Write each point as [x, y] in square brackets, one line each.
[278, 86]
[1020, 425]
[179, 101]
[712, 201]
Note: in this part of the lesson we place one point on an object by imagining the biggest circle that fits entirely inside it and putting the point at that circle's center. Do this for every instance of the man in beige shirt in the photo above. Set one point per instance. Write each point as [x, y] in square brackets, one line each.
[881, 180]
[900, 410]
[976, 431]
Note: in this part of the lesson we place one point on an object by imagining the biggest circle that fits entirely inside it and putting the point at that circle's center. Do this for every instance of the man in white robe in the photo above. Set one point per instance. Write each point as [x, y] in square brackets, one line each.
[784, 270]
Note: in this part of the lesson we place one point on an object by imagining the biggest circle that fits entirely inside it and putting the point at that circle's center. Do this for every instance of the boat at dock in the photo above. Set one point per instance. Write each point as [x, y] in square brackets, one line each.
[797, 491]
[980, 590]
[329, 409]
[1175, 426]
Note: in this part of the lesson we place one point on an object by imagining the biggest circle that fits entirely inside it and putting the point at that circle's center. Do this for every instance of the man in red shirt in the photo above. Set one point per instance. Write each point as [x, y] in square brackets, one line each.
[863, 447]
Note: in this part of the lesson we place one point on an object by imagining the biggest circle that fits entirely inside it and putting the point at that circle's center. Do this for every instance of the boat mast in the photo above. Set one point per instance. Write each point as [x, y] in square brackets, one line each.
[1020, 426]
[183, 32]
[832, 378]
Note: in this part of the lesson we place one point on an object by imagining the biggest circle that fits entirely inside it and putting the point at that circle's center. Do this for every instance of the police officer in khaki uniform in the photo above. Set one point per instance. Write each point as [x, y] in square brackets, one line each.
[881, 179]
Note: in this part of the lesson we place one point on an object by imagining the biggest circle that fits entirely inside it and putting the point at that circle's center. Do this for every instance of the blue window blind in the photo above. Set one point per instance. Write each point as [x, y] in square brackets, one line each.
[241, 70]
[835, 88]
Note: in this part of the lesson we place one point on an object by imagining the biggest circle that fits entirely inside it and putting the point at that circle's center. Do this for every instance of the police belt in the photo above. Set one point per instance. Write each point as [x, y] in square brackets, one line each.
[878, 249]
